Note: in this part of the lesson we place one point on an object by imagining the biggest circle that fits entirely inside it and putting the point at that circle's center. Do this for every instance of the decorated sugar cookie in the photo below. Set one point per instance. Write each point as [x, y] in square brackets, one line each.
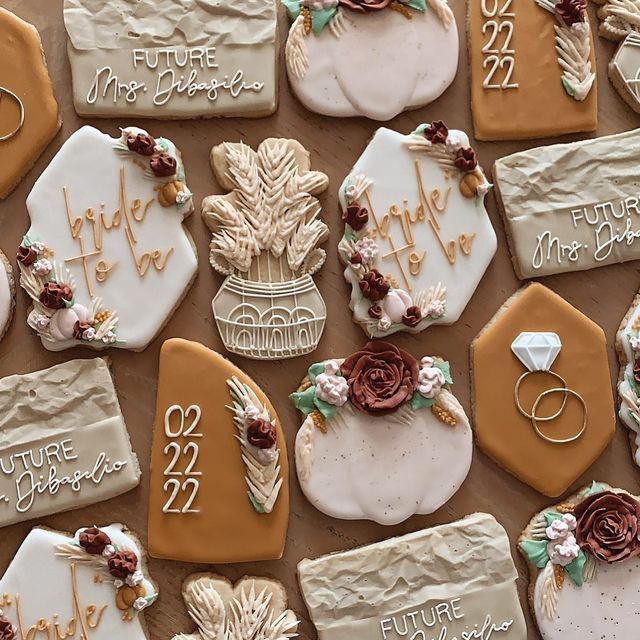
[417, 237]
[92, 584]
[584, 569]
[533, 68]
[252, 609]
[452, 581]
[542, 402]
[63, 441]
[173, 58]
[372, 58]
[29, 115]
[555, 225]
[266, 233]
[383, 436]
[219, 470]
[7, 294]
[106, 259]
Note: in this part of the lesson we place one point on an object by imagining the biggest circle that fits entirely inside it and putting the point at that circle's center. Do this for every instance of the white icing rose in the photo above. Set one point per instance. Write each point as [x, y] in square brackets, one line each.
[134, 579]
[109, 337]
[634, 341]
[38, 247]
[430, 379]
[561, 527]
[351, 193]
[395, 304]
[250, 413]
[579, 29]
[384, 323]
[140, 604]
[63, 321]
[89, 334]
[436, 309]
[182, 197]
[330, 387]
[367, 248]
[564, 550]
[118, 584]
[456, 140]
[41, 321]
[318, 5]
[42, 267]
[108, 551]
[483, 189]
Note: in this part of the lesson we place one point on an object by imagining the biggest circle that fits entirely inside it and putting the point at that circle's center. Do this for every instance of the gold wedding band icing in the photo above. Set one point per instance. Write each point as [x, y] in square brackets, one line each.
[7, 136]
[537, 351]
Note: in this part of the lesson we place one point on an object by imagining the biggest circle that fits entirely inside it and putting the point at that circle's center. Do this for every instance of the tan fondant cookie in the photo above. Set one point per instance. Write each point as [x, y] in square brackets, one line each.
[584, 565]
[29, 116]
[542, 402]
[252, 609]
[451, 581]
[91, 584]
[63, 441]
[532, 68]
[7, 294]
[383, 437]
[219, 470]
[266, 233]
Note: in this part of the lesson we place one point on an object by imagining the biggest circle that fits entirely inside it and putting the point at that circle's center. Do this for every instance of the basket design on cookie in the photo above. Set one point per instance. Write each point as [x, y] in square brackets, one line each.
[597, 528]
[266, 233]
[258, 441]
[113, 563]
[248, 612]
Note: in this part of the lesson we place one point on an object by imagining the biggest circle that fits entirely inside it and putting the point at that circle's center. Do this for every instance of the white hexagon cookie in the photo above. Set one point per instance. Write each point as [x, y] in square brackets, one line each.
[107, 259]
[417, 236]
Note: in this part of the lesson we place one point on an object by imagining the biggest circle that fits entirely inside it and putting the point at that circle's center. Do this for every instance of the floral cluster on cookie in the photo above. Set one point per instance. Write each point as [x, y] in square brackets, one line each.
[633, 372]
[317, 14]
[603, 526]
[259, 445]
[377, 380]
[120, 566]
[160, 160]
[56, 315]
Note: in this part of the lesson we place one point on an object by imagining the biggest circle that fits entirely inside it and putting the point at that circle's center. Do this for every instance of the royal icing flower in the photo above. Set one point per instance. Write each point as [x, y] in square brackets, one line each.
[355, 216]
[261, 433]
[109, 337]
[94, 541]
[436, 309]
[381, 377]
[571, 11]
[40, 321]
[607, 526]
[364, 6]
[250, 413]
[89, 334]
[38, 247]
[122, 564]
[561, 528]
[26, 255]
[374, 286]
[182, 197]
[135, 578]
[412, 316]
[436, 132]
[430, 379]
[55, 295]
[7, 632]
[634, 342]
[141, 143]
[140, 603]
[564, 550]
[465, 160]
[367, 248]
[163, 165]
[330, 387]
[108, 551]
[42, 267]
[384, 323]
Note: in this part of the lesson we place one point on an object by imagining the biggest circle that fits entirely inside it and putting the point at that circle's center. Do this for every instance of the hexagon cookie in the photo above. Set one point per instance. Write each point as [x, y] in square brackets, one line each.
[107, 259]
[29, 113]
[417, 237]
[542, 404]
[7, 294]
[93, 584]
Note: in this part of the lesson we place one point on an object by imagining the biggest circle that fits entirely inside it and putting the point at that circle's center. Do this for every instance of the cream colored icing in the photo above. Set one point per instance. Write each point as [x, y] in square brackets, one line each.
[384, 468]
[381, 64]
[389, 165]
[570, 207]
[6, 296]
[461, 573]
[173, 58]
[40, 582]
[94, 171]
[62, 451]
[625, 69]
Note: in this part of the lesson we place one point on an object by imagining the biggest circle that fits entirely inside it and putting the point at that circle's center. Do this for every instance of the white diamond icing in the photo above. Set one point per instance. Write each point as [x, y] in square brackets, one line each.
[537, 350]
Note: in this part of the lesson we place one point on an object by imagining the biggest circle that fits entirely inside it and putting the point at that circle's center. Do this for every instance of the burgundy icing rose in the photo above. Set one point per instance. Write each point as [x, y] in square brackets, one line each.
[437, 132]
[7, 632]
[465, 160]
[79, 328]
[375, 311]
[55, 294]
[571, 11]
[607, 526]
[141, 143]
[94, 541]
[122, 564]
[381, 377]
[412, 316]
[364, 6]
[356, 258]
[163, 165]
[374, 286]
[26, 256]
[355, 216]
[261, 433]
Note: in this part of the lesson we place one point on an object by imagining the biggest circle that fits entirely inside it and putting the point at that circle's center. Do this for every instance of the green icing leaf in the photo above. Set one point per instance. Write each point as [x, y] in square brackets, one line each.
[315, 370]
[536, 551]
[254, 503]
[350, 234]
[576, 567]
[593, 489]
[26, 241]
[567, 87]
[181, 175]
[320, 19]
[445, 368]
[420, 130]
[326, 409]
[551, 516]
[69, 303]
[418, 5]
[418, 401]
[304, 400]
[293, 7]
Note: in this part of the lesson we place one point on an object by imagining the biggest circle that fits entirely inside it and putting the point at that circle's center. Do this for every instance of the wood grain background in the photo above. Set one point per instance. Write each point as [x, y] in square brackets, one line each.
[603, 294]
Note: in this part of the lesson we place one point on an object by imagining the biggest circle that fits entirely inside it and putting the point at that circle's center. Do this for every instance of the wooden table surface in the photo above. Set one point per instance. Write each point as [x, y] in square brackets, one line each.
[603, 294]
